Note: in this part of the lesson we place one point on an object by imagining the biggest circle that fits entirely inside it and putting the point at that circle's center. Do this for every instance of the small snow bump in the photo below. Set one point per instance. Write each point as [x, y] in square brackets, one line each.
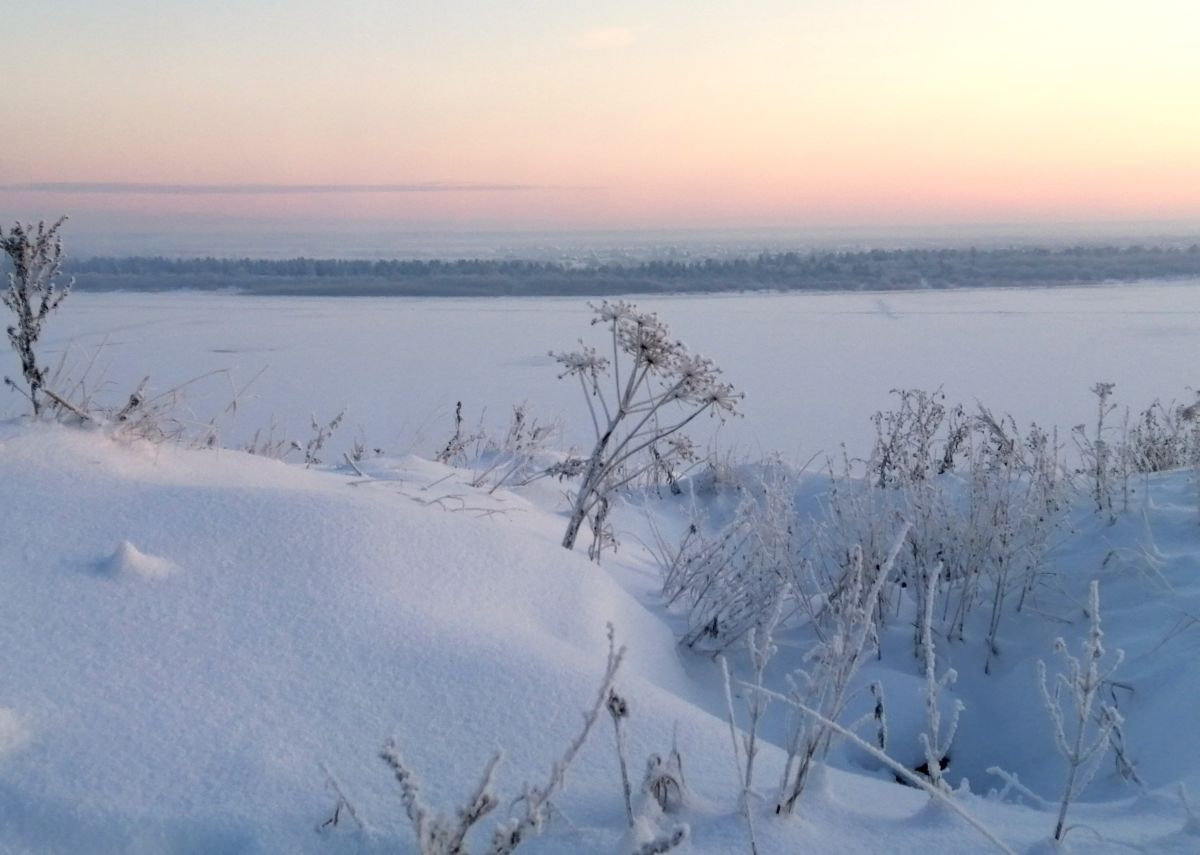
[127, 560]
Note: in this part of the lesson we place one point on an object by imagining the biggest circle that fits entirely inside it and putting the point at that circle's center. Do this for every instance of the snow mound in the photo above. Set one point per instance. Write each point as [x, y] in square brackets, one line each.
[316, 620]
[242, 706]
[128, 560]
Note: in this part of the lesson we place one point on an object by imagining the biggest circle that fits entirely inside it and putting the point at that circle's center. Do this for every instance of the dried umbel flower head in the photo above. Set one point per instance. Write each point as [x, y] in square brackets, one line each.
[639, 398]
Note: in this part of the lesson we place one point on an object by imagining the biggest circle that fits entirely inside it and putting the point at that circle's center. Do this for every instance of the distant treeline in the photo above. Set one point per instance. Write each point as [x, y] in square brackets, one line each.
[785, 271]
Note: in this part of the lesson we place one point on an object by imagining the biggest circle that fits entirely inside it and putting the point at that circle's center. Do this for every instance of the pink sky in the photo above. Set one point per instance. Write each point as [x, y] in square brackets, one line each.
[690, 114]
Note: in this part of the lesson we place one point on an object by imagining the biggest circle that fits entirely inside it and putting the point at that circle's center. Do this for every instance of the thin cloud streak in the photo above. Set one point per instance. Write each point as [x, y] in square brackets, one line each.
[150, 189]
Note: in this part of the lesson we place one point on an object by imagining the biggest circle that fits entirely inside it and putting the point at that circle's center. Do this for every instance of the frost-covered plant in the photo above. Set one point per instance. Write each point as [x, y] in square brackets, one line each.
[1100, 458]
[879, 715]
[663, 788]
[650, 389]
[1016, 496]
[536, 800]
[735, 580]
[848, 631]
[664, 782]
[360, 450]
[34, 290]
[921, 437]
[518, 457]
[743, 771]
[982, 500]
[618, 711]
[935, 742]
[453, 453]
[902, 773]
[146, 415]
[1083, 725]
[268, 443]
[78, 394]
[437, 833]
[322, 433]
[762, 649]
[441, 834]
[664, 791]
[1164, 437]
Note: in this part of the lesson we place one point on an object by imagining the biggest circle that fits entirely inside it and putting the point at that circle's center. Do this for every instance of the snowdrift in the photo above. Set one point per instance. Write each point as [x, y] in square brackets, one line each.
[196, 643]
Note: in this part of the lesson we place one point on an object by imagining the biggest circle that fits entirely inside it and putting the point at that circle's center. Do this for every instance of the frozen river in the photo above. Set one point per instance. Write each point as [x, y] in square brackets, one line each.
[814, 367]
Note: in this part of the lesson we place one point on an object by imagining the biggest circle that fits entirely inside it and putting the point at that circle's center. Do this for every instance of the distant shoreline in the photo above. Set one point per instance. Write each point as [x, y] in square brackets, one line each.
[867, 270]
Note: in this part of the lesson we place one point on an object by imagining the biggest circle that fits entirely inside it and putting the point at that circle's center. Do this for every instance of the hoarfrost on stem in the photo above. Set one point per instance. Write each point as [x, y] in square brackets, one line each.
[34, 290]
[1083, 731]
[651, 388]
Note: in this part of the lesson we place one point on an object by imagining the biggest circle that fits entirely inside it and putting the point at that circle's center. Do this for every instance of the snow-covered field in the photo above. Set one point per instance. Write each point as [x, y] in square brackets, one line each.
[813, 367]
[200, 643]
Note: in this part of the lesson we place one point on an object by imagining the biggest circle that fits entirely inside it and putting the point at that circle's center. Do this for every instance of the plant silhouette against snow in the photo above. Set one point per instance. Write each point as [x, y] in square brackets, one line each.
[34, 291]
[657, 388]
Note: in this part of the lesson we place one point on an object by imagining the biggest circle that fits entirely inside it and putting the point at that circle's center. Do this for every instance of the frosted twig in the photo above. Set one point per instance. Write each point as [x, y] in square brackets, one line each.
[908, 775]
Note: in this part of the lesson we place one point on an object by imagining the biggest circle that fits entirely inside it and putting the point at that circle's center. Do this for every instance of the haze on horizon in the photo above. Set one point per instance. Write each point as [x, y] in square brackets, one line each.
[530, 115]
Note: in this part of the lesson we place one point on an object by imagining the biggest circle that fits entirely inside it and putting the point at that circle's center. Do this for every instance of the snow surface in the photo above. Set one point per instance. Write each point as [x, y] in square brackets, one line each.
[195, 641]
[320, 613]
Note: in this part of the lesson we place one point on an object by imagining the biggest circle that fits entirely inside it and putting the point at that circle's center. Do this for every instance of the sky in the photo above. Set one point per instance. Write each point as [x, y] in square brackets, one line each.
[553, 114]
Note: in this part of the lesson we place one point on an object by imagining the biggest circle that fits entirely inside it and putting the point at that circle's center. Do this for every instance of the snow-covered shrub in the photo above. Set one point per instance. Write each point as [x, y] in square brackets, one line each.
[1161, 438]
[1017, 495]
[642, 397]
[1083, 725]
[847, 633]
[1164, 437]
[34, 290]
[921, 437]
[733, 581]
[982, 501]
